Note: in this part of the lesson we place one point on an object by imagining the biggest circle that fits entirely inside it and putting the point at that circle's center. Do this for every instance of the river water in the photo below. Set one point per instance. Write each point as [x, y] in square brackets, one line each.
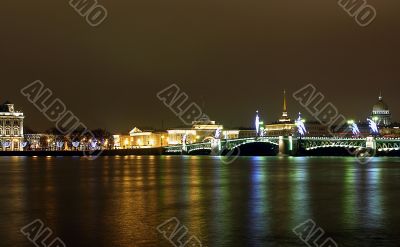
[254, 201]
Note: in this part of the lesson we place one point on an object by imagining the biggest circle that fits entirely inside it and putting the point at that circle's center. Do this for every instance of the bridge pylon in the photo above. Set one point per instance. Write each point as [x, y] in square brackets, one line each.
[371, 142]
[184, 148]
[216, 147]
[287, 146]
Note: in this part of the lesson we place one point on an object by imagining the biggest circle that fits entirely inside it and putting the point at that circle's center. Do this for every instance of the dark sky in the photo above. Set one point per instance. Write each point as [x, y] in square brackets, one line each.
[233, 56]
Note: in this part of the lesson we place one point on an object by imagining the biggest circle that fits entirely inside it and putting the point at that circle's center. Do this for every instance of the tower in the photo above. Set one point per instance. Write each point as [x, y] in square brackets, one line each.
[284, 118]
[284, 126]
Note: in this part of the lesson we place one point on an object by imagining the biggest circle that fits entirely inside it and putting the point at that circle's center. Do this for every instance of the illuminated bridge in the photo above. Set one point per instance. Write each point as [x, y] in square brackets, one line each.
[288, 145]
[309, 143]
[220, 145]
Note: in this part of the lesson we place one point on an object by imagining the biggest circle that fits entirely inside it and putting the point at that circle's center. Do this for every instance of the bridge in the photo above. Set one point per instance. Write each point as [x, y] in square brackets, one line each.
[220, 144]
[288, 145]
[310, 143]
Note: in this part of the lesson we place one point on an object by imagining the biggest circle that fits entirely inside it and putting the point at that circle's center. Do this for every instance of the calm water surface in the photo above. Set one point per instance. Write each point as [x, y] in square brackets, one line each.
[255, 201]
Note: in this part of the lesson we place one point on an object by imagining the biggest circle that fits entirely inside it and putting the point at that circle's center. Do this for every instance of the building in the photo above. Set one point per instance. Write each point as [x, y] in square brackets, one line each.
[141, 139]
[11, 128]
[200, 131]
[280, 129]
[381, 113]
[390, 132]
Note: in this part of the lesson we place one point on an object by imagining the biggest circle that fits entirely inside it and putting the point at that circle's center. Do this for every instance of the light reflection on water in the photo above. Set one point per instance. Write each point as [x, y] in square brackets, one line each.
[255, 201]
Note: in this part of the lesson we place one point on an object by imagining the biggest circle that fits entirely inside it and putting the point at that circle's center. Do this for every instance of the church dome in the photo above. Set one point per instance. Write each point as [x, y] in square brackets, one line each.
[381, 113]
[380, 106]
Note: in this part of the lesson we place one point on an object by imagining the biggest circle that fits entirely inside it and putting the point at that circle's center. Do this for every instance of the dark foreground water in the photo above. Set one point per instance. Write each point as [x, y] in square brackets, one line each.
[255, 201]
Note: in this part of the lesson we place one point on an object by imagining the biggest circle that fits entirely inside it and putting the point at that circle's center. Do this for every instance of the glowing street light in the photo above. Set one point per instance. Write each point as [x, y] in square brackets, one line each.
[301, 128]
[257, 123]
[218, 133]
[354, 128]
[373, 126]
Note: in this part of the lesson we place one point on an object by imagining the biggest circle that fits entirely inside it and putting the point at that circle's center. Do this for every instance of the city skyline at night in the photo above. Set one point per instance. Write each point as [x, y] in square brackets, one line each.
[368, 112]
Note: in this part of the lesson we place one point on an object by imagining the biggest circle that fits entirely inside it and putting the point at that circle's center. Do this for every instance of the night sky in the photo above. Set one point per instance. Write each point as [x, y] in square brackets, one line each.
[231, 57]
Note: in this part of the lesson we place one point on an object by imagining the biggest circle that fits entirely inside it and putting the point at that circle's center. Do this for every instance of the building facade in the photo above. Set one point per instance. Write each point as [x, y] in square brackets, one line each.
[280, 129]
[141, 139]
[11, 128]
[201, 131]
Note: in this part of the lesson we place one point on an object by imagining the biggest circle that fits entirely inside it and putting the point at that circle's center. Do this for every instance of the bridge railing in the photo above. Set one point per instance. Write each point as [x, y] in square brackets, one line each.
[173, 149]
[198, 146]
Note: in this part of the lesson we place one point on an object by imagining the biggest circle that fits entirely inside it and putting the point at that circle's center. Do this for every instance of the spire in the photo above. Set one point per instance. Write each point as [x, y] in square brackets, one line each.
[284, 113]
[284, 101]
[284, 117]
[380, 95]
